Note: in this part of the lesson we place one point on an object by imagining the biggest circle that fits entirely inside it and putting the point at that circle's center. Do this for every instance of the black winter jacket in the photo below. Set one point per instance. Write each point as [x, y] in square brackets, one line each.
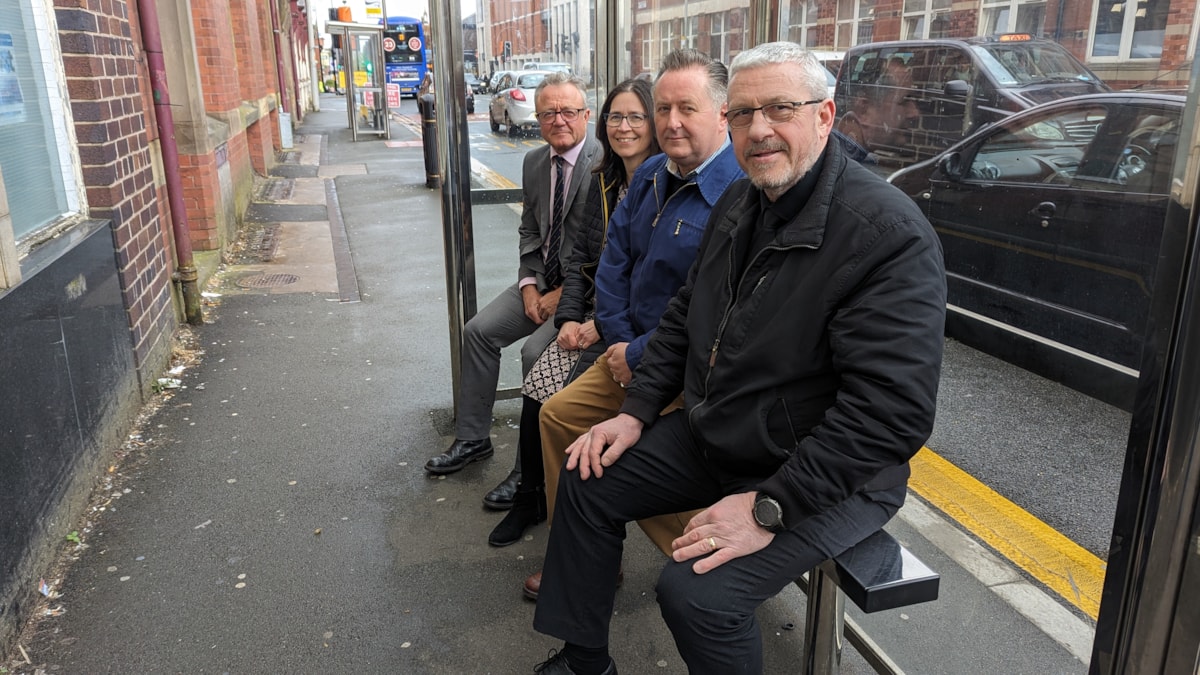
[579, 290]
[815, 365]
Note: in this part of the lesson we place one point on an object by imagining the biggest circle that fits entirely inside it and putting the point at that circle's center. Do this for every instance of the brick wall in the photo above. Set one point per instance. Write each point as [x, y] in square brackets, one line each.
[233, 41]
[107, 80]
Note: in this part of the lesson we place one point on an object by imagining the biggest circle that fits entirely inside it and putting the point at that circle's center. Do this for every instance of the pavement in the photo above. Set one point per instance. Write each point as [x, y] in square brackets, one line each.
[271, 513]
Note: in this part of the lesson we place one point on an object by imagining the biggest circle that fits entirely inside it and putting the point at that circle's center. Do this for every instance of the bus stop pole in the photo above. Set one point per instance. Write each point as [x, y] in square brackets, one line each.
[454, 155]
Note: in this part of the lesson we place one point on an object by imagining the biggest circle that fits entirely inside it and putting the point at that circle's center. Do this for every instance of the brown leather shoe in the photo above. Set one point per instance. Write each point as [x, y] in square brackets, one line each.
[534, 583]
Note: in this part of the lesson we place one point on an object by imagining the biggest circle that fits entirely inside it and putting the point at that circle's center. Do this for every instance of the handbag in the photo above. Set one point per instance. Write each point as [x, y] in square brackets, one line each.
[549, 372]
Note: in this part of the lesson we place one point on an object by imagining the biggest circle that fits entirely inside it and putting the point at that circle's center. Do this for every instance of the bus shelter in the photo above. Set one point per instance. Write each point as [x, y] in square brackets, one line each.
[1144, 622]
[366, 93]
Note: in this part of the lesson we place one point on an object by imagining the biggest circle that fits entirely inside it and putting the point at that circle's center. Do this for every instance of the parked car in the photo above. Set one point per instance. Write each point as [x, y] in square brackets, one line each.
[494, 81]
[909, 100]
[474, 82]
[549, 65]
[512, 105]
[1051, 222]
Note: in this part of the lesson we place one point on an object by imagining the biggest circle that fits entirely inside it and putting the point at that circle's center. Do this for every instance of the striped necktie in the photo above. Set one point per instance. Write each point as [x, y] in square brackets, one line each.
[554, 236]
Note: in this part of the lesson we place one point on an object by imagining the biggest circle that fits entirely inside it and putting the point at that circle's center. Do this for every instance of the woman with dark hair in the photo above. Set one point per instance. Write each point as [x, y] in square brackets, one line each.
[626, 132]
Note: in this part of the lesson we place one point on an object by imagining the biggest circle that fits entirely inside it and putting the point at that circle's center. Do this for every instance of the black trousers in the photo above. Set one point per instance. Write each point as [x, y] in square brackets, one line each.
[711, 616]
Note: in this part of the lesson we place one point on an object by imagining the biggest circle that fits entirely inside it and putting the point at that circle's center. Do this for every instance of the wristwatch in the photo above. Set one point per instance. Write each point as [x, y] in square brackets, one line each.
[768, 513]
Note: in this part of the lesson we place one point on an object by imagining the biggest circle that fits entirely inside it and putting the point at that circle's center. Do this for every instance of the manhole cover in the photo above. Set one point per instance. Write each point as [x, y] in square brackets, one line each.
[267, 280]
[275, 189]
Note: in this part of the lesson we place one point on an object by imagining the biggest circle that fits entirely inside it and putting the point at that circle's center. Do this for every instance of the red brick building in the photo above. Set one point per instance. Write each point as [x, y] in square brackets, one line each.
[88, 203]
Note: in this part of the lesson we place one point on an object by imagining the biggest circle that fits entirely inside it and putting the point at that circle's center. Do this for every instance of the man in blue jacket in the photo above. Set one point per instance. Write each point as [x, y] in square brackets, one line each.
[652, 240]
[807, 342]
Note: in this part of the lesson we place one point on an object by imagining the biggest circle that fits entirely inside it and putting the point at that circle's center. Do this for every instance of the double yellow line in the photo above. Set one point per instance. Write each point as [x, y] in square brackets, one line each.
[1062, 565]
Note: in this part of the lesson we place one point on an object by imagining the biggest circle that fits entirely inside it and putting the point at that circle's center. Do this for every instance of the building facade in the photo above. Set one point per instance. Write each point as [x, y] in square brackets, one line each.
[117, 159]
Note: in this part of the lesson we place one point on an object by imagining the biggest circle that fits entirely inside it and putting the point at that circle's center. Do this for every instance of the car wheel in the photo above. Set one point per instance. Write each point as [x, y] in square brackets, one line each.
[513, 130]
[470, 108]
[493, 123]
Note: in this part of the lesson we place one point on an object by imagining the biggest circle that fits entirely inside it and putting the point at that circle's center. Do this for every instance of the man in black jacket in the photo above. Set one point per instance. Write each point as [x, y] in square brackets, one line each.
[807, 342]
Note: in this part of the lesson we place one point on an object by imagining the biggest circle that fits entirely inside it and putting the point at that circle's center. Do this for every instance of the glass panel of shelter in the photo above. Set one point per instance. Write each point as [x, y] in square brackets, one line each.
[1047, 434]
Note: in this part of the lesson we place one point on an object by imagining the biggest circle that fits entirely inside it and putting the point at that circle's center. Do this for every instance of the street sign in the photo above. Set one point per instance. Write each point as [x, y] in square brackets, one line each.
[389, 45]
[414, 44]
[393, 94]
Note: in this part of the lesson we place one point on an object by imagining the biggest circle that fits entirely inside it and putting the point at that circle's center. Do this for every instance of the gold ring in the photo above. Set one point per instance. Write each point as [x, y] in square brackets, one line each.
[712, 544]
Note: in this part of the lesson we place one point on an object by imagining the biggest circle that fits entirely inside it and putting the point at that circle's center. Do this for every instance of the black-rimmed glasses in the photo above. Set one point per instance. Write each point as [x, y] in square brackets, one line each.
[614, 119]
[568, 115]
[774, 113]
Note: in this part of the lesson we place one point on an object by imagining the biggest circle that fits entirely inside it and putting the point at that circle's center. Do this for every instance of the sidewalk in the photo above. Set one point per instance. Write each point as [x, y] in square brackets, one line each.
[273, 516]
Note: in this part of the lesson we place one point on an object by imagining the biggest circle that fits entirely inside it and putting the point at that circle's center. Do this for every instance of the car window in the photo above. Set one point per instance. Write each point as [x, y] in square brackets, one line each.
[1042, 149]
[1134, 151]
[1022, 63]
[531, 81]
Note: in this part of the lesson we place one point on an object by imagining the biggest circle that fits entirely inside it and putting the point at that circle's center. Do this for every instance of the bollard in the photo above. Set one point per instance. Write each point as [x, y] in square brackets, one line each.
[433, 178]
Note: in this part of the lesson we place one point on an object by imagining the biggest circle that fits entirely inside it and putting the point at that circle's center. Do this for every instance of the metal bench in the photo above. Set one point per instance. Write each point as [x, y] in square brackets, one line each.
[877, 574]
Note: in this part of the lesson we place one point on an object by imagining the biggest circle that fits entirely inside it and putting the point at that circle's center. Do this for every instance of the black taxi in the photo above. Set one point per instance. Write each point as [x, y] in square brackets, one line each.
[908, 100]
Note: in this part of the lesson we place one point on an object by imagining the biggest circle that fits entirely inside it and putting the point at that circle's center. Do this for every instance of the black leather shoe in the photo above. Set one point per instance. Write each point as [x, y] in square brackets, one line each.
[529, 509]
[557, 665]
[501, 496]
[460, 454]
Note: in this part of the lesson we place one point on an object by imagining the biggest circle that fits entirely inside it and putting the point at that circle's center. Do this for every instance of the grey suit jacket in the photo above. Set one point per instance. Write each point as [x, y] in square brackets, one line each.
[535, 214]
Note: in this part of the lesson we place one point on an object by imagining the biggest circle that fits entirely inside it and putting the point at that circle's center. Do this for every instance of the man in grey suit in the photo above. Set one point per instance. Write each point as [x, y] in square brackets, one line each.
[554, 183]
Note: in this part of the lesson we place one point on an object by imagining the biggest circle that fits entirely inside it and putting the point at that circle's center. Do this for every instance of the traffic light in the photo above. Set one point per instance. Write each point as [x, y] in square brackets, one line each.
[507, 50]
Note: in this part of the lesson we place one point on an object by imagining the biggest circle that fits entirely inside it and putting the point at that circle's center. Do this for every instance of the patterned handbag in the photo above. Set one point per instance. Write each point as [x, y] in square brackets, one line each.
[549, 372]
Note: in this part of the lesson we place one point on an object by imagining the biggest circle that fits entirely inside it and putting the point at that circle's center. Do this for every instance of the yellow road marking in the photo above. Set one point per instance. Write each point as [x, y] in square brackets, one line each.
[1065, 567]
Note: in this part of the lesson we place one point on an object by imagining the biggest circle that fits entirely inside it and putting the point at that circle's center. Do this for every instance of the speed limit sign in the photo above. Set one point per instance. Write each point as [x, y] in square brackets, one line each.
[389, 45]
[414, 44]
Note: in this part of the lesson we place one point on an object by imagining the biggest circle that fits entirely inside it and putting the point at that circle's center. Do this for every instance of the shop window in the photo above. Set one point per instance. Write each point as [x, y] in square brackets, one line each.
[1129, 29]
[1012, 16]
[925, 18]
[37, 161]
[855, 23]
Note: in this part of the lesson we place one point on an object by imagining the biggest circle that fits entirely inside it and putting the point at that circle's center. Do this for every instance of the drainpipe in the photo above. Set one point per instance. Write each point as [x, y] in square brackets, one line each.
[185, 265]
[279, 57]
[284, 118]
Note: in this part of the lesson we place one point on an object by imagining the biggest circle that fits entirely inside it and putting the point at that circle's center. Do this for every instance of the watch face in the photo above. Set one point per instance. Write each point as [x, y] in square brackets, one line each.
[768, 513]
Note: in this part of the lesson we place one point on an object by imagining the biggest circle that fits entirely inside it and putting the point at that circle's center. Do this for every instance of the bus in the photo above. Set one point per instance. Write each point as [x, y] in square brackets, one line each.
[404, 54]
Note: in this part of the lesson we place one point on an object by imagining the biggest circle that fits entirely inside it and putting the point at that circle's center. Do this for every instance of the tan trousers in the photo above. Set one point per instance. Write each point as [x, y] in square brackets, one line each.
[592, 398]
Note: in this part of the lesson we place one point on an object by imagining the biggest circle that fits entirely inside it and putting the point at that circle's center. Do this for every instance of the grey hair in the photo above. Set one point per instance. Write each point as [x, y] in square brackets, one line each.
[718, 75]
[812, 73]
[556, 78]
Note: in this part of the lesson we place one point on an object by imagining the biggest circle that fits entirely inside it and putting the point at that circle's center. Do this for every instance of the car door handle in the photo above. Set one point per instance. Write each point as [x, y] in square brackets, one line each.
[1045, 211]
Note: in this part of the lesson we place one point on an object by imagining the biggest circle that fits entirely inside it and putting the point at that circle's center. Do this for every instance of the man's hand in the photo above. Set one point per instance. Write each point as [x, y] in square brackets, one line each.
[532, 301]
[726, 530]
[548, 304]
[622, 375]
[603, 445]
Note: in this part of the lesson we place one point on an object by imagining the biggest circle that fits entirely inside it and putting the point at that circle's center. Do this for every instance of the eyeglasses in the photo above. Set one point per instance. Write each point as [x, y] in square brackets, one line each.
[614, 119]
[568, 115]
[774, 113]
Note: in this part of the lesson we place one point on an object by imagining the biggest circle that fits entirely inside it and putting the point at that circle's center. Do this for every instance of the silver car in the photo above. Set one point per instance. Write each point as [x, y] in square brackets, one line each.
[512, 103]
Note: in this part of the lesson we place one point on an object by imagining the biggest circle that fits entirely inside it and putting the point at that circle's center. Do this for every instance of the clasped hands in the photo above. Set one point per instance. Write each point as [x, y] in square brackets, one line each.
[540, 307]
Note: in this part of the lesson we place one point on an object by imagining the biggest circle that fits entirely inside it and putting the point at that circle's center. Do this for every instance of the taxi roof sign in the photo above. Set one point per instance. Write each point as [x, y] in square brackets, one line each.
[1014, 37]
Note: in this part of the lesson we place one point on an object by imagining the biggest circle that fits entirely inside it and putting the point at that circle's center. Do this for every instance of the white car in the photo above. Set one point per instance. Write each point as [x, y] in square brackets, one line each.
[512, 105]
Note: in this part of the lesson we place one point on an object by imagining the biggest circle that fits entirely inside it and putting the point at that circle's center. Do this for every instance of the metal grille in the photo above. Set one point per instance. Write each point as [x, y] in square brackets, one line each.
[267, 280]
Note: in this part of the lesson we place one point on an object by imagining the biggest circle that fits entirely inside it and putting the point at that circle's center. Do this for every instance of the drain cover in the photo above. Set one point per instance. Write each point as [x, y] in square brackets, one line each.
[267, 280]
